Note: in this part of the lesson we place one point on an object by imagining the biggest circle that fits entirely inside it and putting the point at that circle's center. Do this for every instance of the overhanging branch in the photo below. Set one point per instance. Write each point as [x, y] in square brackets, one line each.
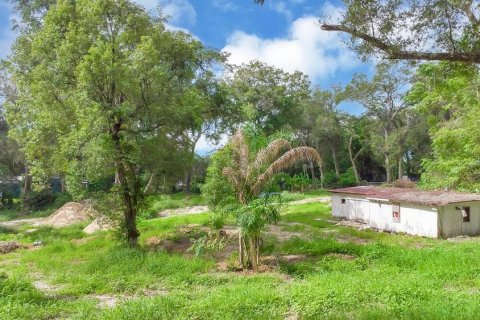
[394, 53]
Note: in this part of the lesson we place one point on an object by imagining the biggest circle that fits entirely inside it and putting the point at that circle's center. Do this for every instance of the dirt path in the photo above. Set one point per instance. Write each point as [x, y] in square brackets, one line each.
[325, 199]
[183, 211]
[17, 222]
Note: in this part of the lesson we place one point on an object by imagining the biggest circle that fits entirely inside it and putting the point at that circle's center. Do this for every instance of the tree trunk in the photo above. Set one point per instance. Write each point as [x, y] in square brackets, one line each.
[129, 197]
[188, 180]
[400, 167]
[240, 249]
[388, 169]
[149, 185]
[62, 184]
[130, 189]
[312, 173]
[353, 159]
[253, 252]
[334, 157]
[322, 178]
[27, 187]
[117, 180]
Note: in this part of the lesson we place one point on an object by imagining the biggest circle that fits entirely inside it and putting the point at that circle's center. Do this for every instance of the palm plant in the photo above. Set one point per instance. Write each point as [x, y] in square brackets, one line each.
[249, 174]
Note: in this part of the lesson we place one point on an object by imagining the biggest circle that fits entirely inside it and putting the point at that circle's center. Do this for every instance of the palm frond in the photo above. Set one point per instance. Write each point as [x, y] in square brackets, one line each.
[287, 160]
[271, 152]
[232, 177]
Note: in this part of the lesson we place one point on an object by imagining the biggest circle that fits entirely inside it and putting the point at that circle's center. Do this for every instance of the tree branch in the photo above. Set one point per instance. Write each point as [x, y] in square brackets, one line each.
[394, 53]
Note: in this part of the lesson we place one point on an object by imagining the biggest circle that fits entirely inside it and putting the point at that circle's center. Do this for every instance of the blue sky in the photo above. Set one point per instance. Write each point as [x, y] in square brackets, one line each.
[284, 33]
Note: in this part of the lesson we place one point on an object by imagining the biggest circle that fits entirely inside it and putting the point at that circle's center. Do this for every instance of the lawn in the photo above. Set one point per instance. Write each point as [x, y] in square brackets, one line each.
[322, 270]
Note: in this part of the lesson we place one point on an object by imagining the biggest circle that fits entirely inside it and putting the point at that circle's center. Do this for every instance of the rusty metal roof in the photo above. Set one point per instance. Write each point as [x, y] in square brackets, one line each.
[415, 196]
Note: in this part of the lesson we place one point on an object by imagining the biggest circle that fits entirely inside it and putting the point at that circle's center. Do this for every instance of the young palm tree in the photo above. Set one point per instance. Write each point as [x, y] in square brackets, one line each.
[249, 174]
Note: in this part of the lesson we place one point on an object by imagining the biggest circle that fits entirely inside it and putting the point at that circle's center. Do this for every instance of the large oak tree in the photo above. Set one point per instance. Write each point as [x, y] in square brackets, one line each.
[103, 87]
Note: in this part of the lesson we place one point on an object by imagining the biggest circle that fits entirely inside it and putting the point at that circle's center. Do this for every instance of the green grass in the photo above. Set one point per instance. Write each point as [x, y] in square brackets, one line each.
[345, 274]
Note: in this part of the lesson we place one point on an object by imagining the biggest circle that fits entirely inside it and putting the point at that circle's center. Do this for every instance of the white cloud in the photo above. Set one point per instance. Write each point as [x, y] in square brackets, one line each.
[305, 48]
[280, 7]
[180, 11]
[225, 5]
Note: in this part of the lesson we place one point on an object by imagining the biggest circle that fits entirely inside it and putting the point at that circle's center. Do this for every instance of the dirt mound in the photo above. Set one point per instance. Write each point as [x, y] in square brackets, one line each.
[71, 213]
[99, 224]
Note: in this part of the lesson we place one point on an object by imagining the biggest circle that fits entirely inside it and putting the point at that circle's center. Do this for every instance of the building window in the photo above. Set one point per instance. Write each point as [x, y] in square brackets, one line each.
[343, 201]
[396, 212]
[465, 214]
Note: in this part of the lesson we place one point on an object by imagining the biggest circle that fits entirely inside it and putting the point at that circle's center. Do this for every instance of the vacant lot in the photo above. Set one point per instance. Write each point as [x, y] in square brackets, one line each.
[313, 268]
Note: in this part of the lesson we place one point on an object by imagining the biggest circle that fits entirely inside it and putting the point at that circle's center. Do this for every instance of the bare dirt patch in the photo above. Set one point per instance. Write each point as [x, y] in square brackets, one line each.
[183, 211]
[350, 223]
[46, 288]
[110, 300]
[461, 239]
[283, 235]
[178, 245]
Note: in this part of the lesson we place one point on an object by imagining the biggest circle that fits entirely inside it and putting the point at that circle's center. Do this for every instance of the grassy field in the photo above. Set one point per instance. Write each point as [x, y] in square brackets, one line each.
[320, 270]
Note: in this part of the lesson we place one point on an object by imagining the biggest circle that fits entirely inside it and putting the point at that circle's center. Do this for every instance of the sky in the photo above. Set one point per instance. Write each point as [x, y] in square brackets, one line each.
[282, 33]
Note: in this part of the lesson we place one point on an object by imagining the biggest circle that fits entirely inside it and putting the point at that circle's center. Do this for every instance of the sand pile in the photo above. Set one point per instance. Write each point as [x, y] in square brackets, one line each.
[71, 213]
[99, 224]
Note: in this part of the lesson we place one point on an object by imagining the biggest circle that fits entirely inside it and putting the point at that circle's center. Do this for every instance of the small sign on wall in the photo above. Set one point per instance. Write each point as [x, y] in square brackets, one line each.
[396, 212]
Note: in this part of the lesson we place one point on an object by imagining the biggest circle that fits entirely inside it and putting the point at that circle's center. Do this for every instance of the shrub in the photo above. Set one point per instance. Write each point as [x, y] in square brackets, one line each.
[330, 179]
[347, 179]
[38, 200]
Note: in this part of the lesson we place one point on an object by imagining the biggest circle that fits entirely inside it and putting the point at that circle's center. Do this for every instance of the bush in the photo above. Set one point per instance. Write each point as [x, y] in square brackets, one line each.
[330, 179]
[347, 179]
[217, 221]
[38, 200]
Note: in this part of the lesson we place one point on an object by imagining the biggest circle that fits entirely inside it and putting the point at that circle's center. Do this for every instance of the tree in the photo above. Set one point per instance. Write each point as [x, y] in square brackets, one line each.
[327, 122]
[382, 96]
[356, 142]
[213, 115]
[11, 158]
[31, 14]
[103, 88]
[446, 95]
[247, 171]
[269, 97]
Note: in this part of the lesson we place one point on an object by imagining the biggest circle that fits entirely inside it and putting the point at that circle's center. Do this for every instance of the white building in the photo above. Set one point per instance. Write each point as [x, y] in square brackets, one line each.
[435, 214]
